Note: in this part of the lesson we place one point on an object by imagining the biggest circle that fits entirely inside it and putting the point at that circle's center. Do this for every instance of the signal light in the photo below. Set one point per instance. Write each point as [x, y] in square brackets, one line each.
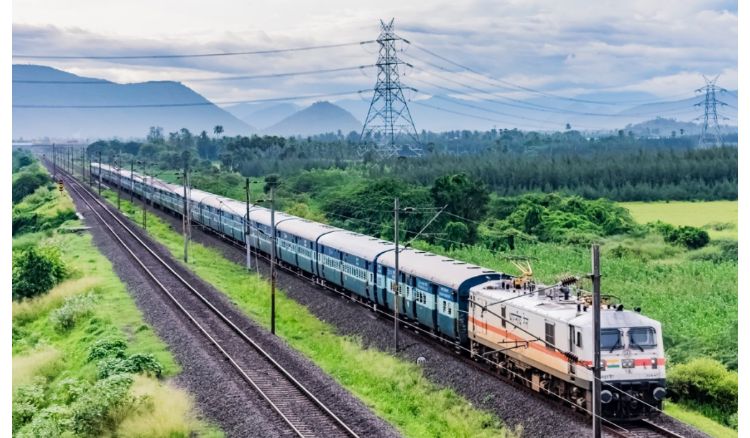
[60, 186]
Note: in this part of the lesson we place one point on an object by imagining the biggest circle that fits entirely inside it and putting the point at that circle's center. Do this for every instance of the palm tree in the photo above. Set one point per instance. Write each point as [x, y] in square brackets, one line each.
[218, 129]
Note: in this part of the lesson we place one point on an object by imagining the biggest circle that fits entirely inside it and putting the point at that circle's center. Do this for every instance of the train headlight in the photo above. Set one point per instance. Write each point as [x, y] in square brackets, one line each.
[659, 393]
[606, 396]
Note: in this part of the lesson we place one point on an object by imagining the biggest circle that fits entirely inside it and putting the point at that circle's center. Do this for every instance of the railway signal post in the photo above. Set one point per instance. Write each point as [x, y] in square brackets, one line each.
[597, 362]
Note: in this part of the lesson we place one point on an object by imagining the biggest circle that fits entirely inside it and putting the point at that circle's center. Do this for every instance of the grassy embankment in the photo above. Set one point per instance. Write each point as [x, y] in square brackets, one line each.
[396, 390]
[55, 383]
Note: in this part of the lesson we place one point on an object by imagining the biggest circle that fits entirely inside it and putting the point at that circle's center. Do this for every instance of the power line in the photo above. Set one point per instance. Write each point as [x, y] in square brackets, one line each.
[215, 79]
[189, 104]
[511, 85]
[195, 55]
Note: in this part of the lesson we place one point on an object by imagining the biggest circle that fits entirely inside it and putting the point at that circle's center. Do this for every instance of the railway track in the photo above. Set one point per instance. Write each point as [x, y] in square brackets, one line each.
[638, 429]
[299, 409]
[642, 429]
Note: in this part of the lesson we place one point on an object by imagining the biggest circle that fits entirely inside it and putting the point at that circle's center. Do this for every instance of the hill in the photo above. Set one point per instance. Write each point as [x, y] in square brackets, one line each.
[37, 85]
[262, 115]
[318, 118]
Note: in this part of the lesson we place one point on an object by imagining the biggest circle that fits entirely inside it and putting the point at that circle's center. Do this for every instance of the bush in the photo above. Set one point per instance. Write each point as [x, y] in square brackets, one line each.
[29, 222]
[73, 310]
[27, 183]
[107, 348]
[706, 383]
[27, 401]
[48, 423]
[102, 408]
[135, 364]
[36, 270]
[687, 236]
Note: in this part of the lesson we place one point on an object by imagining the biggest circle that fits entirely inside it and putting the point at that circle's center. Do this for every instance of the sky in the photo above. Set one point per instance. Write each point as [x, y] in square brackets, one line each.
[566, 47]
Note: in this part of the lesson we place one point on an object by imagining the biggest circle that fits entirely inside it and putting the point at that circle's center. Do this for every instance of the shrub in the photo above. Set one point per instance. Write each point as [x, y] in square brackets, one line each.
[135, 364]
[69, 390]
[27, 183]
[36, 270]
[27, 400]
[50, 422]
[32, 222]
[687, 236]
[107, 348]
[102, 408]
[73, 310]
[705, 382]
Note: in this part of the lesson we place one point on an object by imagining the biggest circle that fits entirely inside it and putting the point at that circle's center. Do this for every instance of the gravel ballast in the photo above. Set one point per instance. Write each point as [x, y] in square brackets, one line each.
[220, 393]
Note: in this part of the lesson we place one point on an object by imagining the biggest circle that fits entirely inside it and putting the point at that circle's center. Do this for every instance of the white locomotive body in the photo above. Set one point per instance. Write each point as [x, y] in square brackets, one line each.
[543, 336]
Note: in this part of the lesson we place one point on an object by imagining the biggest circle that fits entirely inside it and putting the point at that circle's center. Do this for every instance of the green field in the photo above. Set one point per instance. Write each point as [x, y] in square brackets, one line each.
[719, 218]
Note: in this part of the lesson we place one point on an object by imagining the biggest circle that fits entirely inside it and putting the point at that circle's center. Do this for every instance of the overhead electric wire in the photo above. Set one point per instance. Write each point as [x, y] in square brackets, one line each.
[509, 84]
[189, 104]
[209, 79]
[194, 55]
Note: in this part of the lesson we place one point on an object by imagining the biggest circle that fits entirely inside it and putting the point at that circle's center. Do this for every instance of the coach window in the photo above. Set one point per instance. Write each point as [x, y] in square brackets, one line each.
[579, 340]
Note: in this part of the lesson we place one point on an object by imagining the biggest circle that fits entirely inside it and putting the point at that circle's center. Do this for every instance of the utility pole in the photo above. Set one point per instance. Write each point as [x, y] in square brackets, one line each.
[185, 210]
[397, 274]
[247, 223]
[118, 167]
[596, 308]
[132, 181]
[144, 197]
[100, 173]
[273, 262]
[54, 162]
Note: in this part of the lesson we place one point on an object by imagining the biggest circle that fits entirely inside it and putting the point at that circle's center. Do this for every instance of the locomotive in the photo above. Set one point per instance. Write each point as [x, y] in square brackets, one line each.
[540, 335]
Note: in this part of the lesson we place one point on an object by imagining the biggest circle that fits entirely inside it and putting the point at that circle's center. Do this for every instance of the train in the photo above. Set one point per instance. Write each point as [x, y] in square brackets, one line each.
[539, 335]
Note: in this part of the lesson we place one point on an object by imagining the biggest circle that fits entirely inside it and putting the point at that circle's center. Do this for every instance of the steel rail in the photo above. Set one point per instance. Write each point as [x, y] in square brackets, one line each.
[304, 391]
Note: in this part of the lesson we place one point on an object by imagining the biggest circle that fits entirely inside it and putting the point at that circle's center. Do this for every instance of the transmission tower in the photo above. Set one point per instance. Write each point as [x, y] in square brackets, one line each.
[710, 135]
[388, 125]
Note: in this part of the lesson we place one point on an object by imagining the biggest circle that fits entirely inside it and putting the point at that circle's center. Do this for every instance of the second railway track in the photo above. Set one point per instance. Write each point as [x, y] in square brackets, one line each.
[299, 409]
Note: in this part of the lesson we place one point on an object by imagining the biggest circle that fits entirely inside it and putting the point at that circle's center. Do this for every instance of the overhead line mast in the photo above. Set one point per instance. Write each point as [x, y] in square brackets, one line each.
[710, 135]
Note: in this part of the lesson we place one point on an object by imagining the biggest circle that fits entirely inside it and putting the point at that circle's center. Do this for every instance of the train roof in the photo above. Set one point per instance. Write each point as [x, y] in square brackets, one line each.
[306, 229]
[356, 244]
[552, 307]
[436, 268]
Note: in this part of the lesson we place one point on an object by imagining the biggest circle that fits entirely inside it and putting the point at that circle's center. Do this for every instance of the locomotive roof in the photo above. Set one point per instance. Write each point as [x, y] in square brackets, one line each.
[436, 268]
[565, 311]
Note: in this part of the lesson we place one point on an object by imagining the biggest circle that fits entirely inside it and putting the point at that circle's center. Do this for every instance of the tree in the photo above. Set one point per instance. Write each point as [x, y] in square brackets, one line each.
[218, 129]
[27, 183]
[464, 196]
[155, 135]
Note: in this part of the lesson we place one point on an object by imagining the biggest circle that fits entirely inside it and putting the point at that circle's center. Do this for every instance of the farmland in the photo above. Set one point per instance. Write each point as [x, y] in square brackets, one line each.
[718, 217]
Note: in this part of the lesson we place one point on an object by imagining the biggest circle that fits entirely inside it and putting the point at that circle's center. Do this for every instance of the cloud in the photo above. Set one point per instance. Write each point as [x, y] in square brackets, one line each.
[568, 47]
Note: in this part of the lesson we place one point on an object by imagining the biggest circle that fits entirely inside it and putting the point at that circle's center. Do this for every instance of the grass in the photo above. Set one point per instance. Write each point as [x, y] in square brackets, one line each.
[699, 421]
[394, 389]
[41, 352]
[718, 217]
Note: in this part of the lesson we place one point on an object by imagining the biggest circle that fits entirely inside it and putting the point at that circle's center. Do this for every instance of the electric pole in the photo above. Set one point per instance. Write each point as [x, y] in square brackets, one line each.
[144, 196]
[273, 261]
[54, 162]
[132, 181]
[118, 167]
[247, 223]
[397, 285]
[185, 210]
[100, 173]
[596, 308]
[388, 122]
[710, 136]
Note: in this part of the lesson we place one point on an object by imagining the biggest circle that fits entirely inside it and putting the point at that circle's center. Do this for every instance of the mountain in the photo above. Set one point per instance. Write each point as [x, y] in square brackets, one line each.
[318, 118]
[262, 115]
[36, 85]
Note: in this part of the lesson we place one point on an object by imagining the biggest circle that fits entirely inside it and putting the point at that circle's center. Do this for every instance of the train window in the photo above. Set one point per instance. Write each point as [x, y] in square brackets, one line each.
[549, 334]
[642, 337]
[610, 340]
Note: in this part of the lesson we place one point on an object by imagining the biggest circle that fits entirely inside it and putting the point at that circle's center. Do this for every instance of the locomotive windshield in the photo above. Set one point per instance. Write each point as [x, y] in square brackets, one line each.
[610, 339]
[642, 337]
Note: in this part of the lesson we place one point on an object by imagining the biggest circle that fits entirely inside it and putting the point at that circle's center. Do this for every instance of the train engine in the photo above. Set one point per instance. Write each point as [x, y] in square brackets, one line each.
[542, 336]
